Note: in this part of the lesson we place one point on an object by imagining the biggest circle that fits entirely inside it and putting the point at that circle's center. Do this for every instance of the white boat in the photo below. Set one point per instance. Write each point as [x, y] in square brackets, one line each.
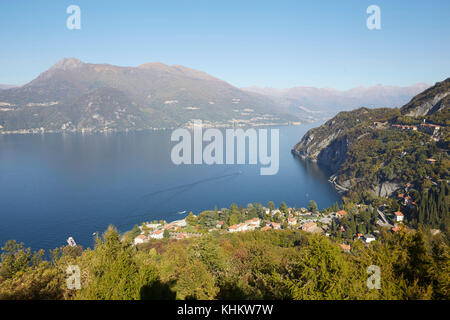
[181, 212]
[71, 242]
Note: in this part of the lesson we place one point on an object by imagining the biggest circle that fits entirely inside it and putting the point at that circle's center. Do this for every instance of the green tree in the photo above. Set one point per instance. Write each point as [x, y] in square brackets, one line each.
[312, 206]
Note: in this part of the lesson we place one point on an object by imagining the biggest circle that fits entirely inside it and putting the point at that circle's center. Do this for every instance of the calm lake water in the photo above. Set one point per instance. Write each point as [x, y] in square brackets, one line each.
[53, 186]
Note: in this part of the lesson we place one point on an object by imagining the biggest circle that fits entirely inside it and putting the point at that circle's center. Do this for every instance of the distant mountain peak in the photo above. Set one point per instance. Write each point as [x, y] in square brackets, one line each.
[68, 64]
[149, 65]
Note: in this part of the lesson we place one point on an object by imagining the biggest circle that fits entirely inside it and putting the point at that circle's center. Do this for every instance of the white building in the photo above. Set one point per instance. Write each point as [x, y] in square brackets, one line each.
[255, 222]
[399, 216]
[368, 238]
[153, 225]
[181, 223]
[158, 234]
[140, 239]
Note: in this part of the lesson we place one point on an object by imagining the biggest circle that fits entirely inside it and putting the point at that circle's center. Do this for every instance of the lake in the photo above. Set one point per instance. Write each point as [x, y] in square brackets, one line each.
[53, 186]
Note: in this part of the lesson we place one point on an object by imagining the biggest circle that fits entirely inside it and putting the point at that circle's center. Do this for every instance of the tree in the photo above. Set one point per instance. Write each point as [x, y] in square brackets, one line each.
[283, 207]
[166, 234]
[234, 219]
[191, 219]
[271, 206]
[312, 206]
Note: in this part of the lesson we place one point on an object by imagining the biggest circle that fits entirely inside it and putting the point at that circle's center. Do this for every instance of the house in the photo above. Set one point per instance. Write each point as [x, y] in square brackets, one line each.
[311, 227]
[368, 238]
[153, 225]
[180, 236]
[408, 200]
[341, 213]
[275, 225]
[429, 128]
[158, 234]
[378, 124]
[292, 221]
[431, 160]
[276, 211]
[140, 239]
[265, 228]
[180, 223]
[253, 222]
[219, 224]
[345, 247]
[238, 227]
[404, 127]
[399, 216]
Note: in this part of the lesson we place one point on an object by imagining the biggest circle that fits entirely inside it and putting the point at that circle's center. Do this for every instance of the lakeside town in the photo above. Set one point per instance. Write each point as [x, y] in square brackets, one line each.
[331, 222]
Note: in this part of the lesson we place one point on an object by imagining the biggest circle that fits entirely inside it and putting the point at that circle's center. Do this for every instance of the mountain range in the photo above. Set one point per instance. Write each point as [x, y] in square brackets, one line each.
[323, 103]
[76, 96]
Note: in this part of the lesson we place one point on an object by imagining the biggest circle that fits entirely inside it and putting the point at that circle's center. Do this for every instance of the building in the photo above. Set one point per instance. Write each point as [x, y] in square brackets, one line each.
[345, 247]
[399, 216]
[292, 221]
[311, 227]
[153, 225]
[253, 222]
[140, 239]
[180, 223]
[237, 228]
[368, 238]
[275, 225]
[265, 228]
[404, 127]
[341, 213]
[379, 125]
[158, 234]
[429, 128]
[219, 224]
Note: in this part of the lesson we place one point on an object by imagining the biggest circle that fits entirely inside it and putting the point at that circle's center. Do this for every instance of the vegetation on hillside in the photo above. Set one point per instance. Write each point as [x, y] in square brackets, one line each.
[281, 264]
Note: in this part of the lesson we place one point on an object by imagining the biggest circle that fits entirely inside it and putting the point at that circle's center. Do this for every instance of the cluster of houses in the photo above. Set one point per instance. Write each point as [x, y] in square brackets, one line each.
[429, 128]
[302, 219]
[156, 231]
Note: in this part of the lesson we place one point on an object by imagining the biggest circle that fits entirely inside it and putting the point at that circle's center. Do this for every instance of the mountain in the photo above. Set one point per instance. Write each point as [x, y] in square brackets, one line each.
[322, 103]
[73, 96]
[431, 101]
[380, 150]
[7, 86]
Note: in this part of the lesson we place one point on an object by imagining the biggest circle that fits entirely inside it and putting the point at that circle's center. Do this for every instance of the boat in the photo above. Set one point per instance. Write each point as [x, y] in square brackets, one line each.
[181, 212]
[71, 242]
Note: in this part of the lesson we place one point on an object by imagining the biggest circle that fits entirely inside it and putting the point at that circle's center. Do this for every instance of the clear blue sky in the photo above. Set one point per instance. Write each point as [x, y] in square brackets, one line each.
[267, 43]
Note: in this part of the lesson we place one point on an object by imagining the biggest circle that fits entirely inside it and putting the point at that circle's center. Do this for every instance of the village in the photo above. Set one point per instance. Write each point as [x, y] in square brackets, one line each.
[311, 221]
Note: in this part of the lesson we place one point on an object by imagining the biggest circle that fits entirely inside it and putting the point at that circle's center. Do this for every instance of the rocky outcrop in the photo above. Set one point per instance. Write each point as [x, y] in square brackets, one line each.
[430, 101]
[386, 188]
[428, 107]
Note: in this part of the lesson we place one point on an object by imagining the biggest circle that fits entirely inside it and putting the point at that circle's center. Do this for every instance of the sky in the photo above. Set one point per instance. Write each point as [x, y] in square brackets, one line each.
[280, 44]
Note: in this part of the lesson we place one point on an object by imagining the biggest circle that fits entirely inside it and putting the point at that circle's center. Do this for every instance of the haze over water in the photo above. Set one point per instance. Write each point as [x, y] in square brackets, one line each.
[53, 186]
